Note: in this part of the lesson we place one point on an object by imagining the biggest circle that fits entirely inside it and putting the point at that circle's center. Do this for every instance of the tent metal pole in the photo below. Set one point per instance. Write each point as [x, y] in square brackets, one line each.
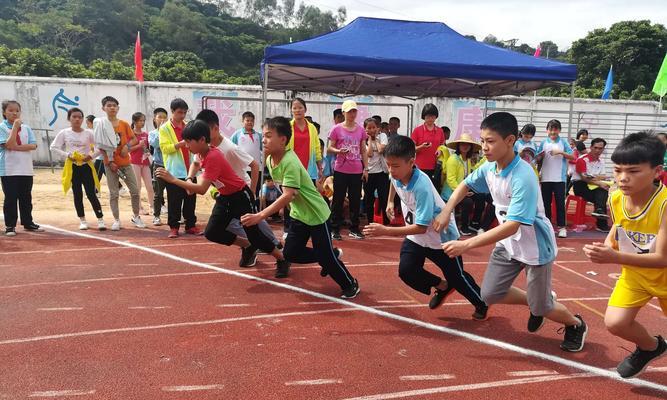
[486, 106]
[265, 87]
[569, 123]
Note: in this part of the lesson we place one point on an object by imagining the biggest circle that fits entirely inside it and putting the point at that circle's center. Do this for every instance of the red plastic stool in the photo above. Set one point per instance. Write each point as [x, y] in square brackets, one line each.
[377, 214]
[579, 215]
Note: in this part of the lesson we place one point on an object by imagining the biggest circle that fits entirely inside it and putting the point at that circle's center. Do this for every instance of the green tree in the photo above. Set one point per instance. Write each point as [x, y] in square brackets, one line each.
[174, 66]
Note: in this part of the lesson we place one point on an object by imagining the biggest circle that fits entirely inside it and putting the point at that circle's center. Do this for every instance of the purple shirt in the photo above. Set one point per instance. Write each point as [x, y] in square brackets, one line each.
[341, 138]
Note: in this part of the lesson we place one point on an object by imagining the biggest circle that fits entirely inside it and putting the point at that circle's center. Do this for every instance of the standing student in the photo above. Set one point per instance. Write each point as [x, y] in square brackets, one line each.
[17, 141]
[139, 155]
[75, 144]
[250, 141]
[421, 203]
[347, 141]
[378, 180]
[638, 242]
[114, 137]
[555, 152]
[159, 117]
[428, 137]
[177, 160]
[524, 238]
[235, 198]
[308, 210]
[526, 139]
[394, 125]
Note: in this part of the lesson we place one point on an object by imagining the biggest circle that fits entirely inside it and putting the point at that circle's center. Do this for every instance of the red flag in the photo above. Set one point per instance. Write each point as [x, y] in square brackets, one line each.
[537, 51]
[138, 62]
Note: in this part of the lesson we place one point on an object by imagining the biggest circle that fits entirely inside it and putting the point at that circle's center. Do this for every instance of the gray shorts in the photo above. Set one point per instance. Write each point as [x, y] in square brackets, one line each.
[501, 273]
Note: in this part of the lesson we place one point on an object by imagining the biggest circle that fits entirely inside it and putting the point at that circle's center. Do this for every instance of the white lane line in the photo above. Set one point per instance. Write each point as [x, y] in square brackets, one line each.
[426, 377]
[314, 382]
[115, 278]
[191, 388]
[396, 317]
[532, 373]
[396, 301]
[61, 393]
[474, 386]
[235, 305]
[148, 307]
[119, 243]
[597, 282]
[60, 309]
[315, 302]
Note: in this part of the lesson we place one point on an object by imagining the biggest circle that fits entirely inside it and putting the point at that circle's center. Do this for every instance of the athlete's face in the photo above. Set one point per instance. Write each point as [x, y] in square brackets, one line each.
[635, 178]
[400, 168]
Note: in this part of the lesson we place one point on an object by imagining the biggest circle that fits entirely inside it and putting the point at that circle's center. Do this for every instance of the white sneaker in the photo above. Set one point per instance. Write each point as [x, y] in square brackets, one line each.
[115, 226]
[156, 221]
[164, 210]
[136, 220]
[562, 233]
[480, 231]
[284, 235]
[101, 225]
[83, 226]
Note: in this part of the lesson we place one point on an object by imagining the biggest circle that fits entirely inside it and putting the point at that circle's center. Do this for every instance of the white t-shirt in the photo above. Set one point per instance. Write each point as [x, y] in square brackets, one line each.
[554, 168]
[237, 158]
[376, 162]
[12, 162]
[67, 141]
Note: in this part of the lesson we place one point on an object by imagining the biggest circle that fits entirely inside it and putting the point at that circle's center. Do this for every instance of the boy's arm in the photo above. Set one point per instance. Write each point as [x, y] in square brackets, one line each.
[280, 203]
[442, 220]
[254, 175]
[457, 247]
[200, 187]
[390, 201]
[375, 229]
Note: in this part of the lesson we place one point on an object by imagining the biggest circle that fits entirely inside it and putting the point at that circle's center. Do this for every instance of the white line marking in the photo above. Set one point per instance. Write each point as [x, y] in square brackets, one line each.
[120, 246]
[454, 332]
[115, 278]
[474, 386]
[597, 282]
[60, 309]
[148, 307]
[315, 302]
[426, 377]
[61, 393]
[191, 388]
[314, 382]
[532, 373]
[396, 301]
[235, 305]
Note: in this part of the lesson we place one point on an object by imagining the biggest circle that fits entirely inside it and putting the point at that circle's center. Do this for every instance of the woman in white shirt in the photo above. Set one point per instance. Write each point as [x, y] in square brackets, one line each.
[70, 143]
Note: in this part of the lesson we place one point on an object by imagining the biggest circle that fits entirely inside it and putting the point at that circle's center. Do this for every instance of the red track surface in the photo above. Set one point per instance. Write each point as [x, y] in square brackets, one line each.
[85, 318]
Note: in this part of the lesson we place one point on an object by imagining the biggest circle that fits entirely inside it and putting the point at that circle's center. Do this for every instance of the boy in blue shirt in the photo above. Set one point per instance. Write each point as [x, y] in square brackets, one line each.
[524, 237]
[421, 203]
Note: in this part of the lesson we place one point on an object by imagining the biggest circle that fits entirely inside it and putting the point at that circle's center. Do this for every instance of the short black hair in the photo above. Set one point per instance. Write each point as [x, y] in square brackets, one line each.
[107, 99]
[429, 109]
[369, 120]
[502, 123]
[378, 118]
[598, 140]
[337, 112]
[581, 132]
[446, 129]
[156, 112]
[247, 114]
[401, 147]
[73, 110]
[178, 104]
[554, 123]
[317, 126]
[528, 129]
[638, 148]
[195, 130]
[395, 119]
[282, 127]
[208, 116]
[90, 118]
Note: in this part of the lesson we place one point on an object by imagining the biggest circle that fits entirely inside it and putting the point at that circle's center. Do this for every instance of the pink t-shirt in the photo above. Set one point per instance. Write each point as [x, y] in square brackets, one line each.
[341, 138]
[137, 156]
[221, 174]
[426, 157]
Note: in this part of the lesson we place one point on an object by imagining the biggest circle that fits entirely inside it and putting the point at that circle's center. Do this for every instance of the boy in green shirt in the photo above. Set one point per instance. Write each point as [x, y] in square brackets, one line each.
[309, 212]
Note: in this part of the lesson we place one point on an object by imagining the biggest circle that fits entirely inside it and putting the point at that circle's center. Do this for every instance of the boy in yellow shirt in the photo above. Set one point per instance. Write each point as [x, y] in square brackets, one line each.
[637, 241]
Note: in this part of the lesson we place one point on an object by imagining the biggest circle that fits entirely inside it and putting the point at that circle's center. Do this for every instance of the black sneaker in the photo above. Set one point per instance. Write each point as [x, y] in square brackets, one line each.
[467, 232]
[356, 234]
[335, 235]
[535, 323]
[282, 268]
[10, 231]
[439, 296]
[352, 291]
[33, 228]
[248, 257]
[480, 313]
[602, 228]
[338, 253]
[575, 336]
[635, 363]
[599, 213]
[279, 246]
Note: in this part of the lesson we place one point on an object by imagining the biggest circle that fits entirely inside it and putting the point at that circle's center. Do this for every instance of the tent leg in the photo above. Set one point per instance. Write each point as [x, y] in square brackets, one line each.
[265, 88]
[569, 123]
[486, 106]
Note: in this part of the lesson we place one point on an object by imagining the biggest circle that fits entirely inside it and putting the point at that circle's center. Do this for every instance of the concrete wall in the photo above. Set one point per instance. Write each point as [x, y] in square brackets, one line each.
[45, 102]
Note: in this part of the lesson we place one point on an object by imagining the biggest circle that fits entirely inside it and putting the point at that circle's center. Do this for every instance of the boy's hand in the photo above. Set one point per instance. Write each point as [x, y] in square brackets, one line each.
[251, 219]
[374, 229]
[441, 222]
[390, 210]
[600, 253]
[455, 248]
[164, 175]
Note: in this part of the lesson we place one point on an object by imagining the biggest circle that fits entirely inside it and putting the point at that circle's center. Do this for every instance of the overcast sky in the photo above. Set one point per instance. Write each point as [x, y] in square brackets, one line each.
[530, 21]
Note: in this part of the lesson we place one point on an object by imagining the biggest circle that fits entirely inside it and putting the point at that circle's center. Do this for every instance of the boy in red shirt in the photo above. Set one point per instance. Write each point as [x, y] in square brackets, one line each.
[235, 198]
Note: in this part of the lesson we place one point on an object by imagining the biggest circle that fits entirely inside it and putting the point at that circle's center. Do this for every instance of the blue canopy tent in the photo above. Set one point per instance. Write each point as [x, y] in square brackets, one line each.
[372, 56]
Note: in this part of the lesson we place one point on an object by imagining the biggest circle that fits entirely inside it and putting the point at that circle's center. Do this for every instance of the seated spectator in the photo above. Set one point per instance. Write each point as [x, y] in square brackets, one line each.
[270, 192]
[590, 183]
